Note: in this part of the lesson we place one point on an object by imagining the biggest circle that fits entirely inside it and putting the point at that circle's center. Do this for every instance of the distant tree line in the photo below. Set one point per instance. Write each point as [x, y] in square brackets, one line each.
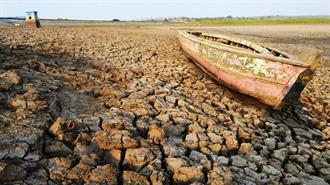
[190, 19]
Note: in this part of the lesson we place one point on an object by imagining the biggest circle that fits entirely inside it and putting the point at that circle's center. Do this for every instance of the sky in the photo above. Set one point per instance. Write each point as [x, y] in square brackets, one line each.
[145, 9]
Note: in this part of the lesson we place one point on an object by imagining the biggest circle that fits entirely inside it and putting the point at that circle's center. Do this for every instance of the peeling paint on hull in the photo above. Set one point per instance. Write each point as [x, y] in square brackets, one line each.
[266, 80]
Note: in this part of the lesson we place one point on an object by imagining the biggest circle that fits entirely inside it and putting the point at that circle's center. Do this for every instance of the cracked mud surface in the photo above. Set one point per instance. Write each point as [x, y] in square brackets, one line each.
[116, 106]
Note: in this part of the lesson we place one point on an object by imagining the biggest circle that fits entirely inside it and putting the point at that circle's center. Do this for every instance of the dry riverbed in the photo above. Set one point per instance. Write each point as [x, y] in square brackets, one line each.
[125, 106]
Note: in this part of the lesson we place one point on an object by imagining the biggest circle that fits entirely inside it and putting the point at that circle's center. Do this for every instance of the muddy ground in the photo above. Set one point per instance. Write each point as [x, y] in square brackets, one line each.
[108, 105]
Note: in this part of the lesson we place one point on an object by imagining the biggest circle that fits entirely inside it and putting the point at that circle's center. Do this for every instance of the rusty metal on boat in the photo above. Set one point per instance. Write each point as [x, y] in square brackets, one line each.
[269, 75]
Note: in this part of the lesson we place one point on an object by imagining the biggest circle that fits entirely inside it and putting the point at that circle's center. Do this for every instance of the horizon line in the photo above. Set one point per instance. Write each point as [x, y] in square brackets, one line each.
[187, 17]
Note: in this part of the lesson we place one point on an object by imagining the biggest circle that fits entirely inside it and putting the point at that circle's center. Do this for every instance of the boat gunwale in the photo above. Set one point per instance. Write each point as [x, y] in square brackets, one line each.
[252, 45]
[242, 52]
[257, 48]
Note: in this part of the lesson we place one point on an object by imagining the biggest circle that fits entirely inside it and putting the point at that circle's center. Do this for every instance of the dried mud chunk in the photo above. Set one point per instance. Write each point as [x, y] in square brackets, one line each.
[188, 175]
[137, 158]
[195, 128]
[163, 117]
[141, 112]
[154, 165]
[245, 148]
[238, 161]
[200, 158]
[171, 99]
[203, 140]
[175, 163]
[215, 138]
[133, 178]
[219, 176]
[209, 109]
[57, 167]
[138, 106]
[205, 121]
[117, 139]
[114, 123]
[220, 160]
[243, 135]
[103, 174]
[215, 148]
[270, 170]
[8, 79]
[173, 147]
[280, 154]
[183, 173]
[291, 168]
[191, 141]
[326, 134]
[156, 134]
[232, 143]
[65, 130]
[116, 119]
[160, 105]
[182, 121]
[270, 143]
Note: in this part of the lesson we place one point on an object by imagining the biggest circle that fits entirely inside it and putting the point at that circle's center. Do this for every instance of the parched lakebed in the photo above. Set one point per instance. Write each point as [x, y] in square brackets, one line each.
[105, 105]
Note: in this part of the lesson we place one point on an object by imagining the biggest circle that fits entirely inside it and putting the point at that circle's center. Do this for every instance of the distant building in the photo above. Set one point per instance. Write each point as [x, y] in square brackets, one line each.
[32, 20]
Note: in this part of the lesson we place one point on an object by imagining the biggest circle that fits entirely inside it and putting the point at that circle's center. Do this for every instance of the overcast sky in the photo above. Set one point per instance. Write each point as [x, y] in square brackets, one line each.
[141, 9]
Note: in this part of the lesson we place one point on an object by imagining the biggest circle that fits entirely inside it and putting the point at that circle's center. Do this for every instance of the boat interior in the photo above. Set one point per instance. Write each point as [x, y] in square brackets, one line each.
[239, 44]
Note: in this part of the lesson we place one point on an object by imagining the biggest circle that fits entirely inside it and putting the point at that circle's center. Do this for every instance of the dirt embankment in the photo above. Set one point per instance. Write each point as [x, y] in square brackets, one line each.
[103, 106]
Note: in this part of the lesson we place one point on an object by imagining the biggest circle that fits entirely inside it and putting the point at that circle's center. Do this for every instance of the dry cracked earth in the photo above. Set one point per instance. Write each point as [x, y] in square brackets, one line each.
[123, 106]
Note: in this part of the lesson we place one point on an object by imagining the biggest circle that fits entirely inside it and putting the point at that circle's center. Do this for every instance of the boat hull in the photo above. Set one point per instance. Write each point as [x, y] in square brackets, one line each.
[267, 81]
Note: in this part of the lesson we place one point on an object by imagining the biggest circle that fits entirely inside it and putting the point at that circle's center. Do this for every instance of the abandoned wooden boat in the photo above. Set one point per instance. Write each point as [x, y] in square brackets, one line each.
[269, 75]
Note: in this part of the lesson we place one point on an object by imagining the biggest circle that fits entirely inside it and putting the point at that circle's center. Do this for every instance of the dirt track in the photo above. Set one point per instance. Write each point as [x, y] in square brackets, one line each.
[125, 106]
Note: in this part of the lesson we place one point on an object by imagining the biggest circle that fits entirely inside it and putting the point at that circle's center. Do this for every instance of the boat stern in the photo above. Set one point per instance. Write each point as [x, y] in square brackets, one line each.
[311, 57]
